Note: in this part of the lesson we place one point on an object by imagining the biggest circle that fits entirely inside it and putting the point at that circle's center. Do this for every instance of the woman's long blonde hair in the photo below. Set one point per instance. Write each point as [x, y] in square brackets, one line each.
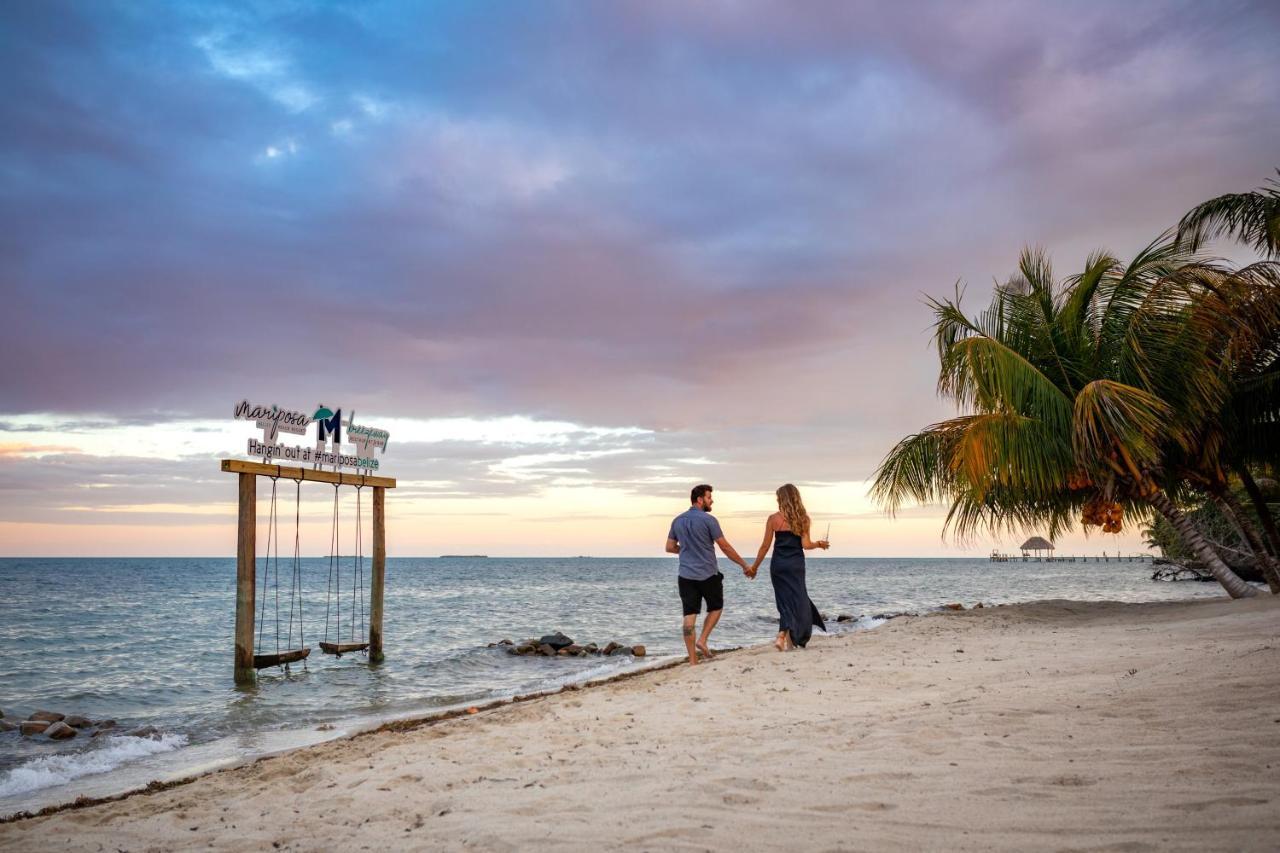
[793, 509]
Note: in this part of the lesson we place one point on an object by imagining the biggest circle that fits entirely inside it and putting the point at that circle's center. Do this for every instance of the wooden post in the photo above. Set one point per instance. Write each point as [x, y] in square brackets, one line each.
[246, 559]
[379, 574]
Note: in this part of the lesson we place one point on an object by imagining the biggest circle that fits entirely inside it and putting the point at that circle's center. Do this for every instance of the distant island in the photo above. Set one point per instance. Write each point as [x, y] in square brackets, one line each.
[464, 556]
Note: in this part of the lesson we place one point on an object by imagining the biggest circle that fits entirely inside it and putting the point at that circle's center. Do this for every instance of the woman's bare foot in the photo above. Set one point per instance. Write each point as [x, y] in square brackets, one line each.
[780, 642]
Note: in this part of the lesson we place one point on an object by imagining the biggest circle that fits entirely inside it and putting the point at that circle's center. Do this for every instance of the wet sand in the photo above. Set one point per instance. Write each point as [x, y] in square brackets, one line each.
[1048, 726]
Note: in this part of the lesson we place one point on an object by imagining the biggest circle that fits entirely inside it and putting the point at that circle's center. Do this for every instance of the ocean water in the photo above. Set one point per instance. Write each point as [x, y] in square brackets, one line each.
[149, 642]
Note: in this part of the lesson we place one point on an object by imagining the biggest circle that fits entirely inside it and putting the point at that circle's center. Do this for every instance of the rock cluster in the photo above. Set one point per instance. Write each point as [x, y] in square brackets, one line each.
[558, 645]
[56, 726]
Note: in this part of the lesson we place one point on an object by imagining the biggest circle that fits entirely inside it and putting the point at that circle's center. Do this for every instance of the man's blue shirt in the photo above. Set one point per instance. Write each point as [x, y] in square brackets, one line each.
[696, 532]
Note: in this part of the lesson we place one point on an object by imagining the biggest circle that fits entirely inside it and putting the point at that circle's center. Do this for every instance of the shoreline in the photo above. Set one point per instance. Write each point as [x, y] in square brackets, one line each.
[289, 740]
[900, 683]
[405, 723]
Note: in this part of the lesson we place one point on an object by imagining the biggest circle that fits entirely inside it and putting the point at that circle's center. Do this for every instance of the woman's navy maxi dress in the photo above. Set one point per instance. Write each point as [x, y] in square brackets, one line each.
[796, 612]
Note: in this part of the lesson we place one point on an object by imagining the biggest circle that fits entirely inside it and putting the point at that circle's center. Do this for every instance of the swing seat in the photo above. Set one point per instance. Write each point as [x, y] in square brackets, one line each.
[280, 658]
[340, 649]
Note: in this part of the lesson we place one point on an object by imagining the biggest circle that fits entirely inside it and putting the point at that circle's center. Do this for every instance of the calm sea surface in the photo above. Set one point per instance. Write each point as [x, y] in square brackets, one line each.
[149, 642]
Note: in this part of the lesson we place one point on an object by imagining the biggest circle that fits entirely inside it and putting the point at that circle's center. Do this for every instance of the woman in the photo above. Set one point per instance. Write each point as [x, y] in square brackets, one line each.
[789, 526]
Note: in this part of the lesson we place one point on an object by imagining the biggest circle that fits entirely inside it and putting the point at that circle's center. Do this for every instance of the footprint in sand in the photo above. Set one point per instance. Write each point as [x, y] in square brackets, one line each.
[1072, 781]
[747, 784]
[870, 806]
[1221, 801]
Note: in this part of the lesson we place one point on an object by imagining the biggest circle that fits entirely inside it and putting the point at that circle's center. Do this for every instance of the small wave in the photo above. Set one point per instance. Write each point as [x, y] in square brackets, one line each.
[51, 770]
[862, 623]
[555, 679]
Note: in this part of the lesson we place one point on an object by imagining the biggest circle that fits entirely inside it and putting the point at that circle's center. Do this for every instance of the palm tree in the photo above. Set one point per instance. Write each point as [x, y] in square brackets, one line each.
[1244, 430]
[1075, 391]
[1253, 218]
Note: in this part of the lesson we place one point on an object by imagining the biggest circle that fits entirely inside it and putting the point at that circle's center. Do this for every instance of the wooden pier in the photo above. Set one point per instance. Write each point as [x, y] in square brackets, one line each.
[997, 557]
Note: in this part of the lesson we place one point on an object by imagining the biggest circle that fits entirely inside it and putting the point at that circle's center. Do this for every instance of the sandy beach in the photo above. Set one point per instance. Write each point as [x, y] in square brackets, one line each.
[1048, 726]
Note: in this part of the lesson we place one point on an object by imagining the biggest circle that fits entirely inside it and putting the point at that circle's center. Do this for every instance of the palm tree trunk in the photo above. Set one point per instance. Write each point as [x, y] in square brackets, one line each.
[1260, 504]
[1230, 581]
[1231, 508]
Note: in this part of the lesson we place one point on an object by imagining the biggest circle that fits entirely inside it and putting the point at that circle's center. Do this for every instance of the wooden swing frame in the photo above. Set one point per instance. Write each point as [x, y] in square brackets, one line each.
[247, 545]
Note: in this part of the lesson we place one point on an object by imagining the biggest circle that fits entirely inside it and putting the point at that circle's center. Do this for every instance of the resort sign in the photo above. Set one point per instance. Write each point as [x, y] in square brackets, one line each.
[327, 451]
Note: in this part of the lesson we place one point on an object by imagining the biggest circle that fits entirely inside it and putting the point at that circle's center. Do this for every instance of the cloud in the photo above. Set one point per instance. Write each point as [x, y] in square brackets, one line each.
[706, 222]
[11, 448]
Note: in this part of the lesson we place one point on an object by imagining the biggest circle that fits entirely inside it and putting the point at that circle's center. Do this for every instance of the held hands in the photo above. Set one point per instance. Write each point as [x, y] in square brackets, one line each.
[823, 544]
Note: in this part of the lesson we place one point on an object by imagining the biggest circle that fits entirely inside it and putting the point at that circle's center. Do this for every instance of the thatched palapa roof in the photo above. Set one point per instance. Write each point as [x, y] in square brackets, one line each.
[1037, 543]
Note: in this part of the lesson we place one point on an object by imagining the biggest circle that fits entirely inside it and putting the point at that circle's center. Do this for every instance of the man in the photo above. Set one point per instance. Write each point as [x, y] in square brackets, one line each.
[693, 535]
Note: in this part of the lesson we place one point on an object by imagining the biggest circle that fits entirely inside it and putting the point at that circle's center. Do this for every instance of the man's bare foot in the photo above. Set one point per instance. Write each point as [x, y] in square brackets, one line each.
[693, 661]
[702, 648]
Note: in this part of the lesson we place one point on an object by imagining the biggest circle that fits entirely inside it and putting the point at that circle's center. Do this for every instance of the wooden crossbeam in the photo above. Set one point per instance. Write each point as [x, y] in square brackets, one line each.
[291, 472]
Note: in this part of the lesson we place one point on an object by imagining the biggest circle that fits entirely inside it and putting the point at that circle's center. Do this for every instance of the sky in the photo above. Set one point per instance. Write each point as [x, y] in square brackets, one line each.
[576, 257]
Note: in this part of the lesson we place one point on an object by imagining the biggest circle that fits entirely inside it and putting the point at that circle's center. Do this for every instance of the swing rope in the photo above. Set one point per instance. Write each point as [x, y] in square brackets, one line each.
[334, 579]
[357, 587]
[270, 586]
[295, 593]
[333, 643]
[273, 539]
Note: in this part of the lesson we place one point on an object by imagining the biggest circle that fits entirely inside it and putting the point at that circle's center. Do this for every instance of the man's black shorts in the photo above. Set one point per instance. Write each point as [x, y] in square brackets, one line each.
[693, 592]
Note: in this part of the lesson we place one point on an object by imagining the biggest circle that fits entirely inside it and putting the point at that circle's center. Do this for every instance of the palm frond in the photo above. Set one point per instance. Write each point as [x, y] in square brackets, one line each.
[986, 373]
[918, 468]
[1005, 450]
[1252, 218]
[1110, 417]
[1078, 318]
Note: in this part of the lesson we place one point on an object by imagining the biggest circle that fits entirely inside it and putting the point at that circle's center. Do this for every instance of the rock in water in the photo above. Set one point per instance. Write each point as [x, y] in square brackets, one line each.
[60, 731]
[638, 651]
[144, 731]
[844, 617]
[33, 727]
[6, 726]
[609, 649]
[46, 717]
[556, 641]
[78, 722]
[547, 649]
